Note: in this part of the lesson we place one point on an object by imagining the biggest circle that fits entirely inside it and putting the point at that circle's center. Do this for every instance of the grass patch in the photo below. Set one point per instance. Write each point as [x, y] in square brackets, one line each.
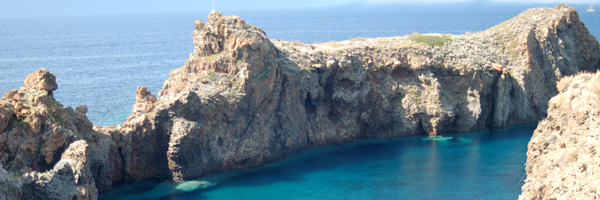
[211, 76]
[430, 40]
[261, 31]
[415, 95]
[14, 124]
[211, 57]
[573, 156]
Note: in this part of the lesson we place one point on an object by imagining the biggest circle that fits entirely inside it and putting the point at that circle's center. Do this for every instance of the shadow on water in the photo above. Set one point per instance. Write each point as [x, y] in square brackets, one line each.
[351, 159]
[320, 160]
[295, 167]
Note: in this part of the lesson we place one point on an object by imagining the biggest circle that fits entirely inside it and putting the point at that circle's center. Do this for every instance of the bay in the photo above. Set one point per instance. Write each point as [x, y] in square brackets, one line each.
[482, 165]
[100, 60]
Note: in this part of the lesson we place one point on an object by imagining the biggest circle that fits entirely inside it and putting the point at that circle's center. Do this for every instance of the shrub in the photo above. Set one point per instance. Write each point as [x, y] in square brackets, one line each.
[261, 31]
[430, 40]
[14, 124]
[212, 76]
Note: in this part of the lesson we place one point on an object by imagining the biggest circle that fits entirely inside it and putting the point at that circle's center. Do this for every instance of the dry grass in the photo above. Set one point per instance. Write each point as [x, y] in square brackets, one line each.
[594, 85]
[358, 39]
[564, 83]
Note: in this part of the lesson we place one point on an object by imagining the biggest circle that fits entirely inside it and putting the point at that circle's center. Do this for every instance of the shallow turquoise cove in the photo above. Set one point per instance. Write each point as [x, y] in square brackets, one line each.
[482, 165]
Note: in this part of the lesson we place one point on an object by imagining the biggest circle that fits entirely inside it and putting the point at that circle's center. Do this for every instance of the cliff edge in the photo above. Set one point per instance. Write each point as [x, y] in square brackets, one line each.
[242, 100]
[563, 160]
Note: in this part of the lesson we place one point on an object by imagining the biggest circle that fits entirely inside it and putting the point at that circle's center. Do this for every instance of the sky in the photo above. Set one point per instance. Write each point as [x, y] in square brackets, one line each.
[43, 8]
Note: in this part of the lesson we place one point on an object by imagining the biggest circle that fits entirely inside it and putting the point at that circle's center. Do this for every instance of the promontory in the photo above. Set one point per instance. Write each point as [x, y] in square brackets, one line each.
[243, 100]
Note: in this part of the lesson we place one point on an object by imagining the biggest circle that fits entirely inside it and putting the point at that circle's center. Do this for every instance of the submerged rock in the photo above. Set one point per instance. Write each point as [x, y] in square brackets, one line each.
[563, 160]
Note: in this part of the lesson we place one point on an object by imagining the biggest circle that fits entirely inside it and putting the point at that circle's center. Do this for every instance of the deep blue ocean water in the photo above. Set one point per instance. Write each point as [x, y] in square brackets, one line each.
[100, 60]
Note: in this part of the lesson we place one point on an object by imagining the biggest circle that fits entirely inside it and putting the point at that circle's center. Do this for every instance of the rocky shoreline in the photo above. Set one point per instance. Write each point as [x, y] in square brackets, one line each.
[562, 160]
[243, 100]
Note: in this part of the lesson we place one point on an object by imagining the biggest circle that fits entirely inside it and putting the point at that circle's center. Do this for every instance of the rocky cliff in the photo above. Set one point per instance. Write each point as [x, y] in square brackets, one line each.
[563, 160]
[242, 100]
[50, 152]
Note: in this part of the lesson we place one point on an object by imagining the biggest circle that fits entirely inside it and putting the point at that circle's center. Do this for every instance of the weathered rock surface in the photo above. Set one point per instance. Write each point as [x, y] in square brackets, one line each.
[10, 187]
[563, 160]
[242, 100]
[69, 179]
[50, 152]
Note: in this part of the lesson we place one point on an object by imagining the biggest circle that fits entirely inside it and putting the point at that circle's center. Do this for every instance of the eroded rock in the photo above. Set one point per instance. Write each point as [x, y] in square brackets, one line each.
[242, 100]
[41, 80]
[562, 157]
[53, 149]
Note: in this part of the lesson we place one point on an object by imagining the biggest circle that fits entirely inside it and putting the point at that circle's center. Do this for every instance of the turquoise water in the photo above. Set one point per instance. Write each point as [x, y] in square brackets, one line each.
[481, 165]
[100, 60]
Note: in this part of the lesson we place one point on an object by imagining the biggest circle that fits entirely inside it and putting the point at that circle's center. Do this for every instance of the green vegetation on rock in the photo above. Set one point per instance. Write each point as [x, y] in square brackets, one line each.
[211, 76]
[430, 40]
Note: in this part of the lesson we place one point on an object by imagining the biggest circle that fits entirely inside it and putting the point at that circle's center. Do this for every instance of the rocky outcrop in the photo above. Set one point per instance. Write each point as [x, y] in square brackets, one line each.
[69, 179]
[50, 152]
[242, 100]
[563, 160]
[10, 187]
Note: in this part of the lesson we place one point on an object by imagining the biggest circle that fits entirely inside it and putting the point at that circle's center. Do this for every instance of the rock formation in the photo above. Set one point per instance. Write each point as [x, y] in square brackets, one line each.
[50, 152]
[563, 160]
[242, 100]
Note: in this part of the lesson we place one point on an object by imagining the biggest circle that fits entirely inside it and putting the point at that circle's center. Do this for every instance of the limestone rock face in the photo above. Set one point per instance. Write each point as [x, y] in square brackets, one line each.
[42, 80]
[69, 179]
[37, 135]
[242, 100]
[563, 160]
[10, 188]
[232, 73]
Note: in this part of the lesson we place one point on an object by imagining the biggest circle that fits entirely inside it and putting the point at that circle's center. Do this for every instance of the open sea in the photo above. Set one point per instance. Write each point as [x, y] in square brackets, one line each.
[100, 60]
